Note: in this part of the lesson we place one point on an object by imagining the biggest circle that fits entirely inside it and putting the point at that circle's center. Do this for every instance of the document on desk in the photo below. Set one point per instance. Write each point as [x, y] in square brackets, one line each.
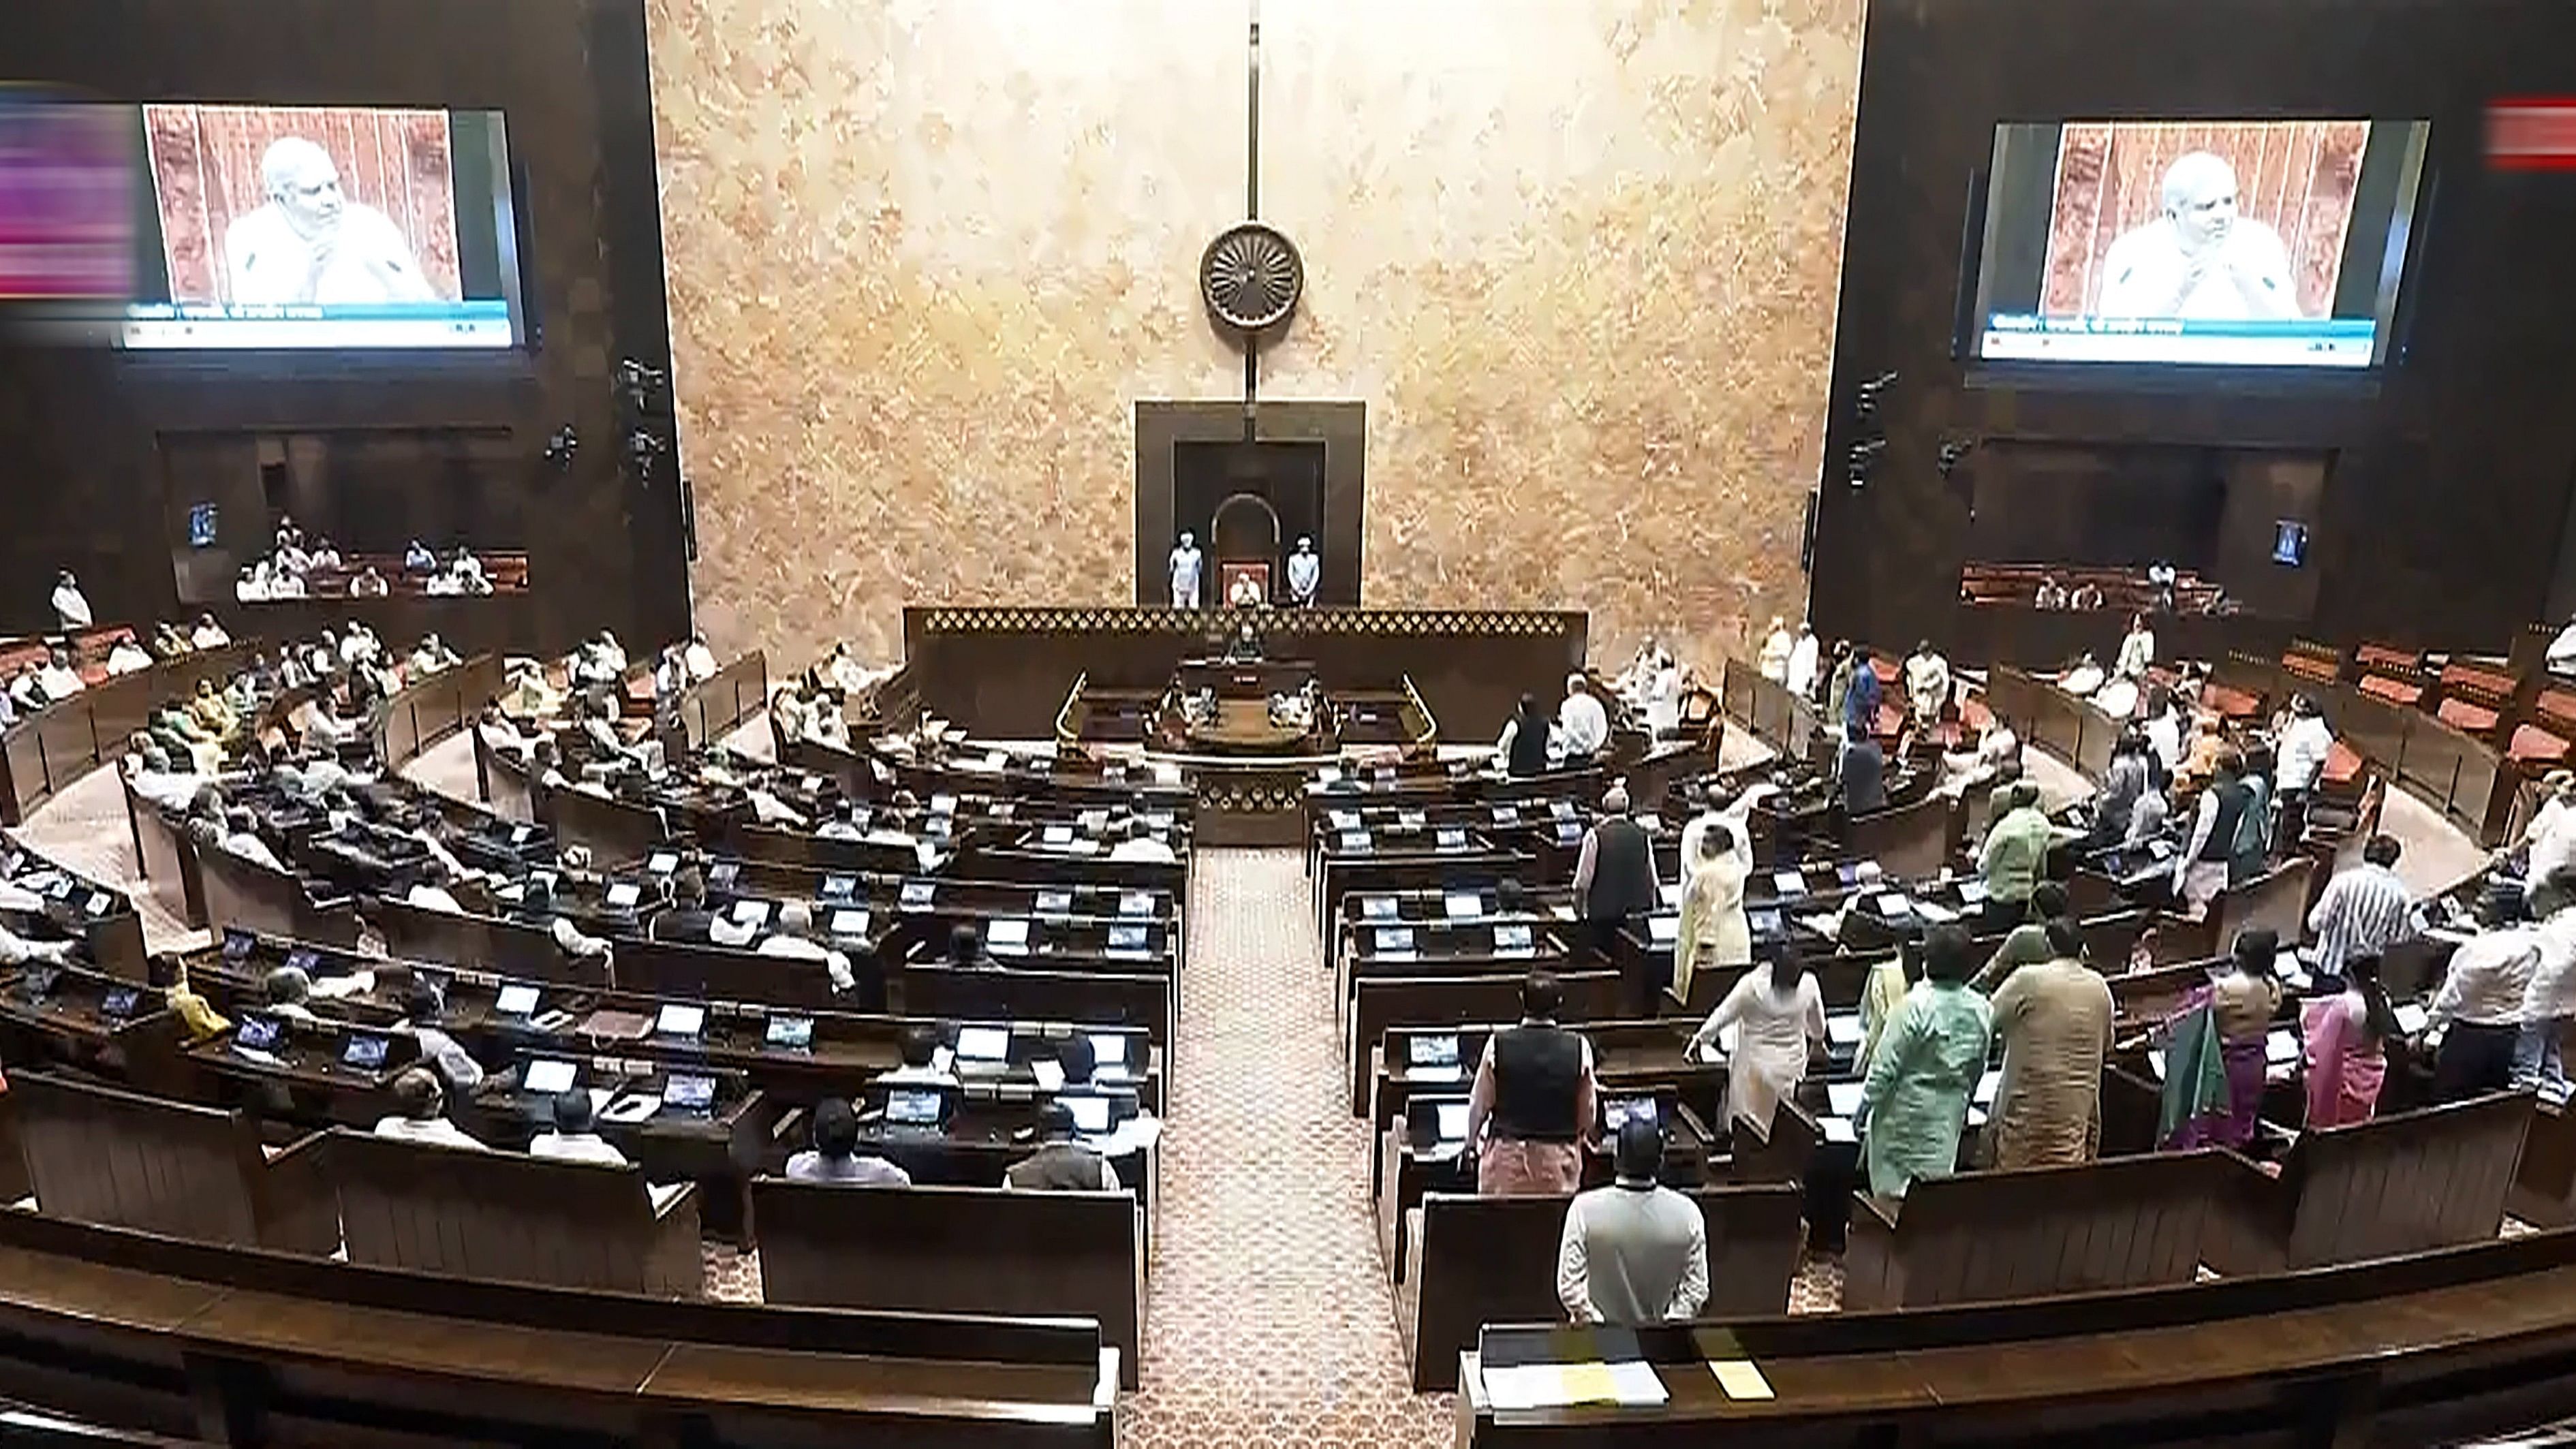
[1591, 1383]
[1635, 1383]
[1737, 1378]
[1528, 1386]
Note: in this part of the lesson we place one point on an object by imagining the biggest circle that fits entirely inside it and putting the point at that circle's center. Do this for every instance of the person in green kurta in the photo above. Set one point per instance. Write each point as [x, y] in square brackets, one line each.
[2015, 858]
[1924, 1071]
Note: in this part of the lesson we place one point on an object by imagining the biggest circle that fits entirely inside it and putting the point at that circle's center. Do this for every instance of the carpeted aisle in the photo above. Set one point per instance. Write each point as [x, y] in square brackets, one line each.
[1269, 1319]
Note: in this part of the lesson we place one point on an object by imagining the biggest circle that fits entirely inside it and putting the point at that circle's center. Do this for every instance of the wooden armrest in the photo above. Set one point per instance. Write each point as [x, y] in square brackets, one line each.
[298, 1207]
[675, 1268]
[1872, 1275]
[790, 1127]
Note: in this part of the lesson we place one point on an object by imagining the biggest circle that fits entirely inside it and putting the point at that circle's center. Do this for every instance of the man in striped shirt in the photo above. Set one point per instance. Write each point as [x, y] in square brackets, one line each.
[2364, 910]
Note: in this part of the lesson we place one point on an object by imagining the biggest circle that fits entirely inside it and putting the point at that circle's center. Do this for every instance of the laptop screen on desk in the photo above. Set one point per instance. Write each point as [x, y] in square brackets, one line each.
[1453, 1121]
[1090, 1114]
[1432, 1051]
[688, 1092]
[662, 862]
[118, 1003]
[624, 894]
[792, 1033]
[546, 1076]
[516, 1000]
[680, 1019]
[237, 945]
[983, 1044]
[260, 1033]
[1617, 1110]
[364, 1051]
[912, 1108]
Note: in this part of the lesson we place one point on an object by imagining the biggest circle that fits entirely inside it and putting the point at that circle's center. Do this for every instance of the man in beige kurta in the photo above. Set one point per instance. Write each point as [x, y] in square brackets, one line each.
[2054, 1020]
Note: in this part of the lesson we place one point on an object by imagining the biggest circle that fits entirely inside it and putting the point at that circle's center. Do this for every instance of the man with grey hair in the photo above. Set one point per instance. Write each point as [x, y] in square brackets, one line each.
[1582, 722]
[310, 243]
[2200, 260]
[1615, 881]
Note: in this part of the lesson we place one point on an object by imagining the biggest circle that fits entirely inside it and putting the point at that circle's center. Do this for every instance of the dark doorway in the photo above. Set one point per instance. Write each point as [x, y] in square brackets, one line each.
[1248, 502]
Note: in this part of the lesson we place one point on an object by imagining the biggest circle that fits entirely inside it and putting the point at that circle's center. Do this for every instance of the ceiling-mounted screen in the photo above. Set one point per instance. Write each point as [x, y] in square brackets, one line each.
[342, 227]
[2278, 243]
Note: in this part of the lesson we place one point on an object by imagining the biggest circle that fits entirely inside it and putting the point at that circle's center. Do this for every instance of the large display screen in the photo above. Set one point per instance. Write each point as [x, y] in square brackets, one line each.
[324, 227]
[2235, 243]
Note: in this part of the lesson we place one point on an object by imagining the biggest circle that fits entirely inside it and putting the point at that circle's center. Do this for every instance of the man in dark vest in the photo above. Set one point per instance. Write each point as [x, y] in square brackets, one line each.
[1063, 1164]
[1532, 1104]
[2202, 872]
[1614, 879]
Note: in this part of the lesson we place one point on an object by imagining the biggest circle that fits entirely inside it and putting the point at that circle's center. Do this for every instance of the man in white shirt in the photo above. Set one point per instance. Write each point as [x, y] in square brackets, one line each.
[241, 838]
[58, 679]
[2137, 649]
[2299, 760]
[844, 824]
[2548, 1004]
[572, 1138]
[310, 243]
[1927, 683]
[1581, 722]
[701, 661]
[421, 1113]
[17, 950]
[71, 606]
[1142, 844]
[2200, 260]
[1803, 659]
[2561, 658]
[1776, 649]
[431, 656]
[1635, 1252]
[127, 657]
[208, 634]
[794, 939]
[2550, 840]
[2478, 1011]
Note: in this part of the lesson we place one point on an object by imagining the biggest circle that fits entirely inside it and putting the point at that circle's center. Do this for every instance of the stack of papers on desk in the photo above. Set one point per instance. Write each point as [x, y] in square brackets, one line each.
[1558, 1386]
[1843, 1029]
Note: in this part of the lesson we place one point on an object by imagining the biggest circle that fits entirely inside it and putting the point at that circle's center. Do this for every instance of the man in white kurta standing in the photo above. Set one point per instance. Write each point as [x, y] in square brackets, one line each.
[1305, 574]
[312, 244]
[1185, 573]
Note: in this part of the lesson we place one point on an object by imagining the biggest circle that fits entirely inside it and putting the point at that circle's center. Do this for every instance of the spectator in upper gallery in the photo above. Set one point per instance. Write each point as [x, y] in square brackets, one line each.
[1064, 1163]
[835, 1157]
[2137, 649]
[1929, 1056]
[1522, 749]
[420, 1113]
[1636, 1251]
[369, 584]
[574, 1138]
[2086, 595]
[2049, 595]
[169, 641]
[2364, 911]
[465, 571]
[126, 656]
[417, 559]
[920, 1046]
[1927, 683]
[2561, 656]
[2014, 858]
[325, 555]
[208, 634]
[1141, 843]
[71, 606]
[2053, 1020]
[58, 679]
[1533, 1100]
[1582, 723]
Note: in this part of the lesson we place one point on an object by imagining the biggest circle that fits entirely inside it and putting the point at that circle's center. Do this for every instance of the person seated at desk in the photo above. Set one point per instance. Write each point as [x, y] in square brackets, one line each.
[572, 1138]
[58, 679]
[127, 657]
[213, 713]
[1997, 746]
[1581, 722]
[919, 1045]
[1634, 1252]
[197, 1016]
[431, 656]
[2027, 943]
[2014, 858]
[834, 1157]
[794, 939]
[421, 1113]
[241, 838]
[208, 634]
[688, 918]
[844, 824]
[17, 950]
[1063, 1163]
[430, 892]
[169, 641]
[1522, 749]
[286, 990]
[2053, 1020]
[156, 777]
[530, 697]
[422, 1007]
[25, 693]
[826, 721]
[1533, 1101]
[369, 584]
[537, 908]
[1778, 1014]
[1141, 843]
[1924, 1071]
[966, 950]
[789, 714]
[546, 762]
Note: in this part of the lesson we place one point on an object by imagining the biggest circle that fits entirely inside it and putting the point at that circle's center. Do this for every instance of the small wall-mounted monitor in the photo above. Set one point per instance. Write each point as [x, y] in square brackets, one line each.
[2242, 243]
[2290, 543]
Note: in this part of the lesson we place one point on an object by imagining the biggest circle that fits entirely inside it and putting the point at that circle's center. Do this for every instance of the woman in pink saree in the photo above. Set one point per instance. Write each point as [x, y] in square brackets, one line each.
[2347, 1046]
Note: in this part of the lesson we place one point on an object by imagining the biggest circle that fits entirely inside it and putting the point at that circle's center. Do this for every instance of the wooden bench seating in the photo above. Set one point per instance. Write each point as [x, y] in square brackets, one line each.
[969, 1250]
[518, 1219]
[101, 1155]
[2121, 1222]
[2399, 1184]
[1493, 1260]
